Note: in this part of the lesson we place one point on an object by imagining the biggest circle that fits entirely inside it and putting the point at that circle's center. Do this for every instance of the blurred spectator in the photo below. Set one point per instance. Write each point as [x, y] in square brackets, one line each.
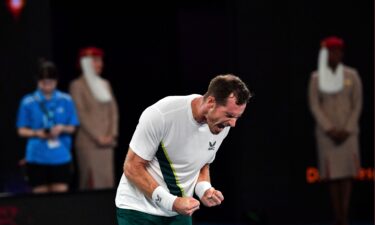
[335, 95]
[97, 109]
[47, 118]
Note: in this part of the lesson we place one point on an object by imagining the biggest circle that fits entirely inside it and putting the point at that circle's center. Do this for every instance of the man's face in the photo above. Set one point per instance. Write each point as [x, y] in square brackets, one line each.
[47, 86]
[219, 116]
[98, 64]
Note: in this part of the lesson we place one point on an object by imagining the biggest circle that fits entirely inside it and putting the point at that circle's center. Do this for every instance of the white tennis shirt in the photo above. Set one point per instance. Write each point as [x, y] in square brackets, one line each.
[177, 147]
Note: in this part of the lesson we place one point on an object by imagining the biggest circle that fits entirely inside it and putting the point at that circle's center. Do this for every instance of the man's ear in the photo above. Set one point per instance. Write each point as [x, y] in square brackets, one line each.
[211, 102]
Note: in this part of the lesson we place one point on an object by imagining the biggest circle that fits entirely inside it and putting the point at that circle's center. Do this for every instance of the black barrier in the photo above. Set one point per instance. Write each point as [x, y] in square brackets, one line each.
[94, 207]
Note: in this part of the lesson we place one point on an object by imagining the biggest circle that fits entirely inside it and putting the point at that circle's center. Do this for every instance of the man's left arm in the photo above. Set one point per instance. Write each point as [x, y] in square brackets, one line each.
[208, 195]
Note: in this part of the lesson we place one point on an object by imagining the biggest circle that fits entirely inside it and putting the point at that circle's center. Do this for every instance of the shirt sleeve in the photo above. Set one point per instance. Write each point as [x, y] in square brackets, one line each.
[114, 113]
[315, 104]
[72, 114]
[148, 134]
[356, 98]
[23, 117]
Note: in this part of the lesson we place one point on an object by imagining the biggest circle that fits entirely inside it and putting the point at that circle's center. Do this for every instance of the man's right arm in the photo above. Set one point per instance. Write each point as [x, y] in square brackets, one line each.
[135, 170]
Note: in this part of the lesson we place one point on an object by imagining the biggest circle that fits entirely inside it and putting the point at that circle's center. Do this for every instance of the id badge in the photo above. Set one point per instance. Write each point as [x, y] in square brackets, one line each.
[53, 143]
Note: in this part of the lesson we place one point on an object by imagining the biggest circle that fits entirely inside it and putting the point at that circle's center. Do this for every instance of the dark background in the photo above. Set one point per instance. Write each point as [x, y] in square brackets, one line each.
[162, 48]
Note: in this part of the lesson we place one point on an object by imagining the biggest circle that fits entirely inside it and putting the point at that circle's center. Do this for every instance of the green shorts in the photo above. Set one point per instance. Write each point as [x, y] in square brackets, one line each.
[132, 217]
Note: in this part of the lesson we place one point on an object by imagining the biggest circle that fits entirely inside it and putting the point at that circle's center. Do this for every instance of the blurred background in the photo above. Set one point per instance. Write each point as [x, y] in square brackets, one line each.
[160, 48]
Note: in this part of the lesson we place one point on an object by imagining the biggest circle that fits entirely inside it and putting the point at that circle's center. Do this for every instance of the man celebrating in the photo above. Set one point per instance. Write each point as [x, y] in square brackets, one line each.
[169, 155]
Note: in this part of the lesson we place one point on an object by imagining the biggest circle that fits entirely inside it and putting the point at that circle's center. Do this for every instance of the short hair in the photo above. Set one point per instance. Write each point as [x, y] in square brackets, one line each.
[46, 70]
[222, 86]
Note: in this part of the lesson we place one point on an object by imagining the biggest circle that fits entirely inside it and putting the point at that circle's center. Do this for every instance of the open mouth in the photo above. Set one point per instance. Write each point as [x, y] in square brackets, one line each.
[221, 126]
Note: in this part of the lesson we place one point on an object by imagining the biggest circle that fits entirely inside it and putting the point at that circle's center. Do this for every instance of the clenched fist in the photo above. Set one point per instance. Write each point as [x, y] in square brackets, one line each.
[186, 205]
[212, 197]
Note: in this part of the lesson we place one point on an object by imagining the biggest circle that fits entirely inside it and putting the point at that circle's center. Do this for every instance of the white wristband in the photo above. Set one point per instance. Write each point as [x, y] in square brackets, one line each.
[201, 188]
[163, 198]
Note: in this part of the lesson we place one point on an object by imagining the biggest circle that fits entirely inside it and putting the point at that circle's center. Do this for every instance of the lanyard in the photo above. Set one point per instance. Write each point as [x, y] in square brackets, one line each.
[48, 113]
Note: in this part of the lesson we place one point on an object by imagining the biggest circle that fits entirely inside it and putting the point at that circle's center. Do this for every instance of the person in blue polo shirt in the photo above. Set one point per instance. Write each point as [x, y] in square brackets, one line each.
[47, 118]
